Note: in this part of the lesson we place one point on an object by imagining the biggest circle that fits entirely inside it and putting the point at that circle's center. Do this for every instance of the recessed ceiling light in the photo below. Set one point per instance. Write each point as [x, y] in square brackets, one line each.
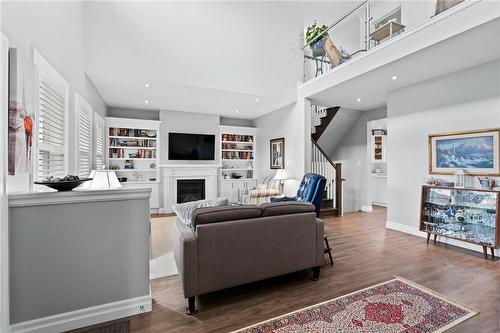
[394, 77]
[237, 111]
[358, 99]
[256, 99]
[146, 85]
[146, 101]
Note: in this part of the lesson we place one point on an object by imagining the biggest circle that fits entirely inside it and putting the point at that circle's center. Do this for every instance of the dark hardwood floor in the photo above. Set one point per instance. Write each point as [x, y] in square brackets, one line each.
[365, 253]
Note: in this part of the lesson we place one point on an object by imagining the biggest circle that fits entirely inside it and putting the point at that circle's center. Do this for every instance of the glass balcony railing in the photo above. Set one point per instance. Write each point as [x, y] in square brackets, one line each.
[368, 25]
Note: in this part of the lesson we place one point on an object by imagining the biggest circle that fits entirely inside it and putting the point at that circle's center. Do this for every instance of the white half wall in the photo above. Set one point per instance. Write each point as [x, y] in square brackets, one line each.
[465, 100]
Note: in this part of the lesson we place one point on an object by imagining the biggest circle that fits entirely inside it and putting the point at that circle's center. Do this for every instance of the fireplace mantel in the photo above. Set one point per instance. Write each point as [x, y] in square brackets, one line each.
[170, 173]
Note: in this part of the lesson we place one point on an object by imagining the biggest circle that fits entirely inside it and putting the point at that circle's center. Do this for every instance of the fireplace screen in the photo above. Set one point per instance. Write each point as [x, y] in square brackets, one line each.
[190, 190]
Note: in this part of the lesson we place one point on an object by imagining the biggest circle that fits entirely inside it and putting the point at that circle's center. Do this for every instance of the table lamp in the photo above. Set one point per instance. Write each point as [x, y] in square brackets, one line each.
[101, 180]
[280, 176]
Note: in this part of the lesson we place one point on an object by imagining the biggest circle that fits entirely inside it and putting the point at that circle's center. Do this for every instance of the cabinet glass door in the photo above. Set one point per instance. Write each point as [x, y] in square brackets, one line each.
[463, 214]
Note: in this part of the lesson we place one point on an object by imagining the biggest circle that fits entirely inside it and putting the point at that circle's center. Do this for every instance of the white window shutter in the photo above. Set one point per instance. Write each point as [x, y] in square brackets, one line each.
[52, 104]
[99, 141]
[84, 136]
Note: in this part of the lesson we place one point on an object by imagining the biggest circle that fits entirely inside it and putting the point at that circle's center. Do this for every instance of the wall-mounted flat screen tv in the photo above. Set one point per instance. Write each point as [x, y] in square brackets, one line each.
[184, 146]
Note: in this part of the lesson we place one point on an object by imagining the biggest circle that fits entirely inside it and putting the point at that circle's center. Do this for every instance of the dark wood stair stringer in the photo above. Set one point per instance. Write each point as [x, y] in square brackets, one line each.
[324, 122]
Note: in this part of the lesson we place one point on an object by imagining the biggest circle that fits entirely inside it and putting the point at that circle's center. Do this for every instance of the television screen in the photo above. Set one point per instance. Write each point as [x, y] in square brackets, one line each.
[183, 146]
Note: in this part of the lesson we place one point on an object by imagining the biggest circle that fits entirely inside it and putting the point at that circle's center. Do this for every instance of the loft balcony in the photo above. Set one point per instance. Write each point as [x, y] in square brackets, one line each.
[401, 43]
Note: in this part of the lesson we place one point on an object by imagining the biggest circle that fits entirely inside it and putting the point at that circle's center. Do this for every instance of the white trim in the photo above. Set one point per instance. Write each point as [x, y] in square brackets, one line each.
[441, 239]
[42, 64]
[99, 122]
[86, 317]
[59, 198]
[81, 105]
[4, 209]
[367, 209]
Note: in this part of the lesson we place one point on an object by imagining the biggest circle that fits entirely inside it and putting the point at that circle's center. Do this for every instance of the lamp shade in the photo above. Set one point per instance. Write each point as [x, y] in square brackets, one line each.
[101, 180]
[281, 174]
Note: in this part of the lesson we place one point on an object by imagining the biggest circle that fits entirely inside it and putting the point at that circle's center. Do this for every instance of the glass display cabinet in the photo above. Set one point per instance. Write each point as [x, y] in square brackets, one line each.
[469, 215]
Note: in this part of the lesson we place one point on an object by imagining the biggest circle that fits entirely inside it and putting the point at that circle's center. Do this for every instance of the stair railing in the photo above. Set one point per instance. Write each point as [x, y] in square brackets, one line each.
[322, 164]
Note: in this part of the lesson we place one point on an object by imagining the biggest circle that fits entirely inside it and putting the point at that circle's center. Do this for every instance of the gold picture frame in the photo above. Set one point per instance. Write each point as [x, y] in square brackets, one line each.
[476, 151]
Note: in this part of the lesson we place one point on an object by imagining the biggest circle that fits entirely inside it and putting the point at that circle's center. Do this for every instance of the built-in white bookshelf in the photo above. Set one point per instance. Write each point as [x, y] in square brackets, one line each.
[133, 152]
[237, 152]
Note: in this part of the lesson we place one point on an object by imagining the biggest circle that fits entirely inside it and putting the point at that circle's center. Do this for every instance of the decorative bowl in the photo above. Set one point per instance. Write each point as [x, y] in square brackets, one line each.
[63, 185]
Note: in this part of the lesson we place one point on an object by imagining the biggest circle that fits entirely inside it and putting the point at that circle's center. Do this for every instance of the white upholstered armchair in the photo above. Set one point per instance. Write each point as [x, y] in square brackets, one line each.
[265, 190]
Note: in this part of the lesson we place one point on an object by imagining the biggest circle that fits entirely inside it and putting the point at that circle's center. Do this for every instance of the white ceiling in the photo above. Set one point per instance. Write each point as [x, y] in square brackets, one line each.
[207, 57]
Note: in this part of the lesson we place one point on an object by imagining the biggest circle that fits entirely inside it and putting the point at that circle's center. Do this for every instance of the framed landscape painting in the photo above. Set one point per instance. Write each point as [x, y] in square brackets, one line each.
[477, 152]
[277, 151]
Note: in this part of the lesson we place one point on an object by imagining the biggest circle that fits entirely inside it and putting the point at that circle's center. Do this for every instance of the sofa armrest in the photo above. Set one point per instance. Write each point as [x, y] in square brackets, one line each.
[186, 257]
[259, 193]
[320, 235]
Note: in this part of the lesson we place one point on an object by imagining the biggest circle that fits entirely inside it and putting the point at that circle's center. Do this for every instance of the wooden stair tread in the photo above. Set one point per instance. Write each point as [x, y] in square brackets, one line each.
[324, 122]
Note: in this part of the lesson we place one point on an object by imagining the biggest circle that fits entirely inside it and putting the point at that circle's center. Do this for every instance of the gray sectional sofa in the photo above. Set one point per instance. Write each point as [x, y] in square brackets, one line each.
[233, 245]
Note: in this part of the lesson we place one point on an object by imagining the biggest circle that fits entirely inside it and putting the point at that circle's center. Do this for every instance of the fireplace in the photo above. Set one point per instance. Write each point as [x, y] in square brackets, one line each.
[190, 190]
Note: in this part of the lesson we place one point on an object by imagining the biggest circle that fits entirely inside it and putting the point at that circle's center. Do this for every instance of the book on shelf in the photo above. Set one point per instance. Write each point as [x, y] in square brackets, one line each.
[132, 143]
[237, 137]
[132, 132]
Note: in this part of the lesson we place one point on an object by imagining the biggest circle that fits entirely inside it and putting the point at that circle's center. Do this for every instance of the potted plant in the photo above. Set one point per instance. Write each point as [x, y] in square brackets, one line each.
[314, 38]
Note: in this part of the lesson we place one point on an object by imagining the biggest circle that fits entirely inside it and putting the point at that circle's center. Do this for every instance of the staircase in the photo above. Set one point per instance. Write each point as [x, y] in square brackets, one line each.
[322, 164]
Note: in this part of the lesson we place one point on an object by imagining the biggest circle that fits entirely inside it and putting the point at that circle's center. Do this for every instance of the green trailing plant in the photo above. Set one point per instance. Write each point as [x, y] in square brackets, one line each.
[315, 33]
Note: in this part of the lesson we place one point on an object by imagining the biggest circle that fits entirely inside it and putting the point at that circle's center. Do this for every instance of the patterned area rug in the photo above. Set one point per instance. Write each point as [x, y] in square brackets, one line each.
[398, 305]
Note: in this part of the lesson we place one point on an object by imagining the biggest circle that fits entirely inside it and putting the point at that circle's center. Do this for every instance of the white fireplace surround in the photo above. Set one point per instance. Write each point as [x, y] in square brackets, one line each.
[170, 173]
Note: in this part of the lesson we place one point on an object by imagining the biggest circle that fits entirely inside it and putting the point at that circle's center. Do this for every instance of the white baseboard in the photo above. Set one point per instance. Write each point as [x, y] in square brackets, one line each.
[445, 240]
[85, 317]
[165, 211]
[367, 209]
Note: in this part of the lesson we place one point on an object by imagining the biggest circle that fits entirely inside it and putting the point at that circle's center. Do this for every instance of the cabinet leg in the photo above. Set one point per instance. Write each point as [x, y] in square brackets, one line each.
[428, 237]
[492, 253]
[485, 252]
[191, 310]
[435, 237]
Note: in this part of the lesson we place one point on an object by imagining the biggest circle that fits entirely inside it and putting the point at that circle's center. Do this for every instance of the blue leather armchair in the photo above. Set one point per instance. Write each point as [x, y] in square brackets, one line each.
[311, 190]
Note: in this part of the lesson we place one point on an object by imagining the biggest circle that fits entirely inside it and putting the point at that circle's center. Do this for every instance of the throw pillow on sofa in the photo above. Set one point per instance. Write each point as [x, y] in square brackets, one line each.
[184, 211]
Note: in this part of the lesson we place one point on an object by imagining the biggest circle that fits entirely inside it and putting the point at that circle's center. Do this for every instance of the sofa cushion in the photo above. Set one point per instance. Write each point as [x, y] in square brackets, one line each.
[285, 207]
[184, 211]
[221, 214]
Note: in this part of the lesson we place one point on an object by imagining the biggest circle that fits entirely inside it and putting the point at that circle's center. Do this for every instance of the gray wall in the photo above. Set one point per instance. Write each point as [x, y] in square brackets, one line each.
[188, 122]
[237, 122]
[288, 123]
[343, 121]
[55, 29]
[133, 113]
[73, 256]
[461, 101]
[352, 152]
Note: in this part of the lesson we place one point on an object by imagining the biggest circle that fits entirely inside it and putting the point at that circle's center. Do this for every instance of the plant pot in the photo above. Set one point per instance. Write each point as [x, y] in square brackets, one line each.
[318, 49]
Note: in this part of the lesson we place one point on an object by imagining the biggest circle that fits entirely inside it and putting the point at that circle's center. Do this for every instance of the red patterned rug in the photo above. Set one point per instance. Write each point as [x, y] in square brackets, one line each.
[398, 305]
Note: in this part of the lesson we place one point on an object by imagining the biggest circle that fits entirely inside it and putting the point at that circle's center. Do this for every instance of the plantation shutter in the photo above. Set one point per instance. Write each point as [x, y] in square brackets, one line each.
[52, 92]
[84, 136]
[99, 141]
